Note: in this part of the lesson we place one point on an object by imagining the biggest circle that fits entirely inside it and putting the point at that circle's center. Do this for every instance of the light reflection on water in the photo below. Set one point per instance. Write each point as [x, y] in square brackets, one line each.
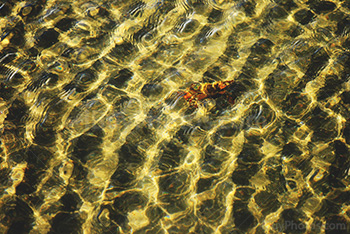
[97, 136]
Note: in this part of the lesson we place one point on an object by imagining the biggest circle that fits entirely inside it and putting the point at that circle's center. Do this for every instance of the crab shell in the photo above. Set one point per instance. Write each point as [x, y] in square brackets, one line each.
[198, 92]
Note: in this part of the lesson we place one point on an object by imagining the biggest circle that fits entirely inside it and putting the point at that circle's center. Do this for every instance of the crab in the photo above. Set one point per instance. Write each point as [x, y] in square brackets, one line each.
[197, 91]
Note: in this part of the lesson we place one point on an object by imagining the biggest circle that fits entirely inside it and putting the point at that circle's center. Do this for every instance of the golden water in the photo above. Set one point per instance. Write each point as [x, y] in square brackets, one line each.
[95, 137]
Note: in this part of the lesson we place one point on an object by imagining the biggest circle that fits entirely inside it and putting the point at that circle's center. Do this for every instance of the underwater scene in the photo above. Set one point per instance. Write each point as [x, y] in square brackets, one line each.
[174, 116]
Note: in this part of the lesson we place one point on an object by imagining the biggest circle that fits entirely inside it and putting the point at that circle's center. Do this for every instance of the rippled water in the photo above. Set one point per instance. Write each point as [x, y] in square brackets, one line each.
[97, 135]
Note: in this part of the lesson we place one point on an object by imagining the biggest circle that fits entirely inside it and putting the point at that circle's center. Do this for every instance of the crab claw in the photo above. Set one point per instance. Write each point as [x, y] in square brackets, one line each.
[187, 95]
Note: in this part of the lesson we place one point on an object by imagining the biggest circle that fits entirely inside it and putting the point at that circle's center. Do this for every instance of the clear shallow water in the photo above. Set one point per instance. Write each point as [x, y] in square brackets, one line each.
[98, 138]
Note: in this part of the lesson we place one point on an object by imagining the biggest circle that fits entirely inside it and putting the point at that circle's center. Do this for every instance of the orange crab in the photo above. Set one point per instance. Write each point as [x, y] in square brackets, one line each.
[198, 92]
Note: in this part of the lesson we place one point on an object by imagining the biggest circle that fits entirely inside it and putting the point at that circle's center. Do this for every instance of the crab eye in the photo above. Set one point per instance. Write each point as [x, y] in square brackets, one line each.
[196, 86]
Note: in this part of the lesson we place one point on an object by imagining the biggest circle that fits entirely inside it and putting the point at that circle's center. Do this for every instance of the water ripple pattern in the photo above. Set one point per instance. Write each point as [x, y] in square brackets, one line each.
[98, 135]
